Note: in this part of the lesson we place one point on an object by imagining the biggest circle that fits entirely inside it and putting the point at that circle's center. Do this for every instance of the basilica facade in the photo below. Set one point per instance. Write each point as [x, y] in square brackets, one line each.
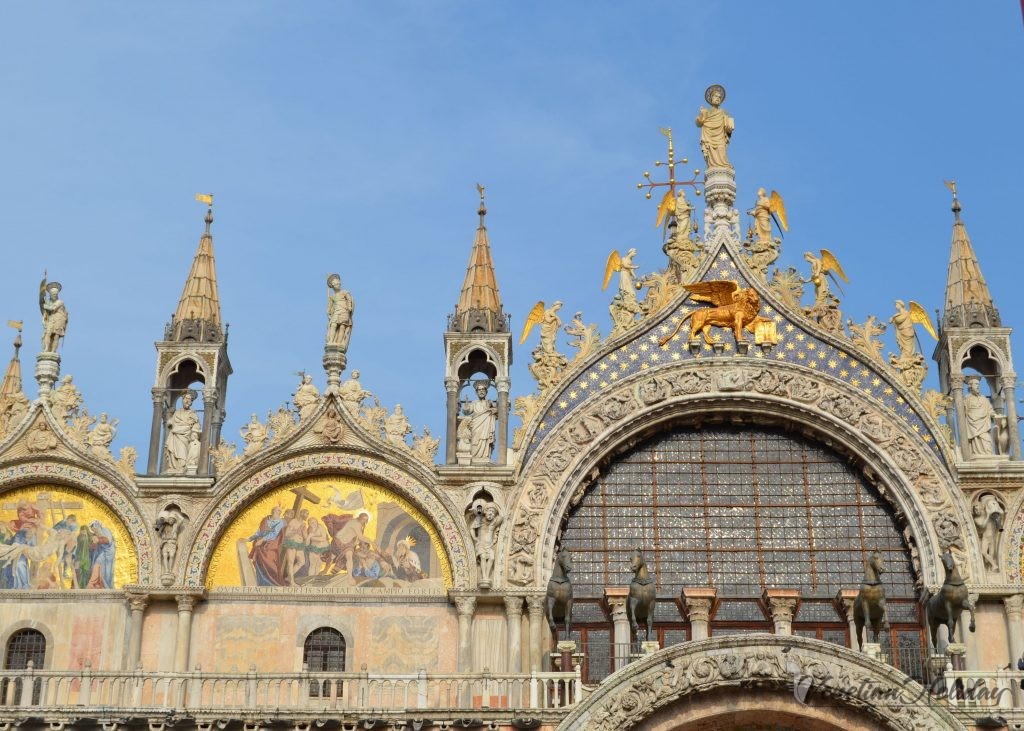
[735, 510]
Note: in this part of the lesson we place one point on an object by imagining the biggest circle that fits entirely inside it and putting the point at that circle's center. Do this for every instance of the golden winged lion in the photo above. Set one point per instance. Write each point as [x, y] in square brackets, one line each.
[735, 308]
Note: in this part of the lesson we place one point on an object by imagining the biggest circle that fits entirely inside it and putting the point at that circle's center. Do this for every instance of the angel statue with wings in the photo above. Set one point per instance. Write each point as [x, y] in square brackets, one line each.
[822, 270]
[903, 324]
[548, 364]
[625, 267]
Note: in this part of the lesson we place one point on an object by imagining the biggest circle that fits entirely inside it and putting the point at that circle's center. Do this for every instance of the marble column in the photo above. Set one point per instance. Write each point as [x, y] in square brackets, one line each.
[451, 385]
[957, 387]
[535, 609]
[501, 441]
[465, 606]
[1010, 398]
[514, 621]
[137, 608]
[1013, 607]
[698, 603]
[844, 603]
[209, 409]
[183, 638]
[156, 431]
[782, 604]
[616, 596]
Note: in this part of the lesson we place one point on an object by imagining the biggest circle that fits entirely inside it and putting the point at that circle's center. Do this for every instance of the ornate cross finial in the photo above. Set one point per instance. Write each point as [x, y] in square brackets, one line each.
[951, 184]
[671, 183]
[482, 210]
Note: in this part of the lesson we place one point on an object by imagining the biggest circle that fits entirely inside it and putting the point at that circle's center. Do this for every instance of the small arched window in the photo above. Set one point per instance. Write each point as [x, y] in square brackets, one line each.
[324, 651]
[24, 646]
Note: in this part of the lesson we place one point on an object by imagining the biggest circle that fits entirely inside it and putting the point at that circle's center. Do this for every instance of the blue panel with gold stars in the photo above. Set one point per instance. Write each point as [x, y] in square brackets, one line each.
[797, 343]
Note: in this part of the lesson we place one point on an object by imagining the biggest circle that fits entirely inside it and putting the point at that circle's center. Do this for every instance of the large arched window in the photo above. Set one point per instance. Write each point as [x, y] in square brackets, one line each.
[740, 509]
[324, 651]
[25, 646]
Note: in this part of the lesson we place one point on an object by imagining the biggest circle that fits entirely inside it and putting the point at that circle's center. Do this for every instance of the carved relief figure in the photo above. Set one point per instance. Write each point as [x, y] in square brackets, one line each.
[65, 400]
[41, 439]
[100, 438]
[716, 128]
[988, 519]
[978, 418]
[255, 435]
[307, 397]
[352, 393]
[340, 309]
[55, 315]
[396, 427]
[169, 525]
[482, 416]
[181, 445]
[485, 519]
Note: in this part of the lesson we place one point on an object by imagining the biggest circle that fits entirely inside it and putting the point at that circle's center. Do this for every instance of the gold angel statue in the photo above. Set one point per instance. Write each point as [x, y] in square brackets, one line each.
[822, 269]
[903, 324]
[735, 308]
[549, 322]
[625, 267]
[765, 209]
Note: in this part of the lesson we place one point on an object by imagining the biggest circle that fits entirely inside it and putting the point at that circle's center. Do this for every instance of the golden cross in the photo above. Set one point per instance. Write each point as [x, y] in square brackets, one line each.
[671, 183]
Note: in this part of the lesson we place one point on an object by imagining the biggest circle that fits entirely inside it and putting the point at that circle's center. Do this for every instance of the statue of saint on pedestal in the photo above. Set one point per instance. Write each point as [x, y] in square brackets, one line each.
[482, 415]
[485, 519]
[340, 308]
[307, 397]
[55, 315]
[978, 417]
[181, 445]
[716, 128]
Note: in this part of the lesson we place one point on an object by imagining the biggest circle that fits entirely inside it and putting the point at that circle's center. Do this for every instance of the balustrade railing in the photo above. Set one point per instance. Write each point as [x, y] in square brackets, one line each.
[984, 689]
[144, 691]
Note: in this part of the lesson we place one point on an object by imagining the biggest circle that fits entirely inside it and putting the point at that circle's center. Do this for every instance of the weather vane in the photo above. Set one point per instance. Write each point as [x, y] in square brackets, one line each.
[667, 204]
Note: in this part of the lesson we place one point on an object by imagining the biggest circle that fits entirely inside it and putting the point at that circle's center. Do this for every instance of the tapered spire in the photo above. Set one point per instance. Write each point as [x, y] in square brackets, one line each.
[13, 402]
[968, 301]
[12, 378]
[479, 308]
[198, 313]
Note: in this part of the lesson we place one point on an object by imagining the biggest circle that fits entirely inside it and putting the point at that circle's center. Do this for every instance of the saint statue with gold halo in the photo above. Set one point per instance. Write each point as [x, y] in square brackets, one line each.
[716, 127]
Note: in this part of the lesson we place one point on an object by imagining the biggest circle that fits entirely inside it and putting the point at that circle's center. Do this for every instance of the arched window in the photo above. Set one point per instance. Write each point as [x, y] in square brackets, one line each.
[740, 509]
[24, 646]
[324, 651]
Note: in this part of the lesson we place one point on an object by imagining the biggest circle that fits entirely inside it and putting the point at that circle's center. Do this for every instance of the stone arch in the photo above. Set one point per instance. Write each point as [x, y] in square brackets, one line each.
[897, 461]
[308, 622]
[173, 364]
[32, 624]
[238, 493]
[722, 670]
[123, 506]
[464, 358]
[963, 354]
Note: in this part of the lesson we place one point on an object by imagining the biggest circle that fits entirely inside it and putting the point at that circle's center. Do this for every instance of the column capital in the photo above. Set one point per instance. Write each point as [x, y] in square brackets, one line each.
[502, 384]
[844, 600]
[782, 603]
[513, 606]
[535, 605]
[699, 602]
[451, 385]
[138, 602]
[186, 602]
[465, 605]
[615, 597]
[1008, 381]
[1014, 605]
[957, 381]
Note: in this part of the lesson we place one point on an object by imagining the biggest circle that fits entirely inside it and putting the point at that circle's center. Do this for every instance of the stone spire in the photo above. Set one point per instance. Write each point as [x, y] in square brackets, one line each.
[968, 302]
[198, 313]
[479, 308]
[12, 378]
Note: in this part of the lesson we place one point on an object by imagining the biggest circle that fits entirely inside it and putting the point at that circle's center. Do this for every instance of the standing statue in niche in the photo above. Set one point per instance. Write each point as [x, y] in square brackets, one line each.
[978, 417]
[484, 521]
[716, 128]
[988, 518]
[307, 397]
[55, 315]
[340, 308]
[181, 446]
[169, 525]
[482, 415]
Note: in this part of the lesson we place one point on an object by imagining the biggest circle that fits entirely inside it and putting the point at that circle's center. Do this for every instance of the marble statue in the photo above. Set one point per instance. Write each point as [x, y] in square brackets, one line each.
[548, 364]
[181, 445]
[13, 412]
[587, 336]
[41, 439]
[169, 525]
[100, 438]
[255, 436]
[65, 400]
[483, 416]
[906, 340]
[549, 327]
[716, 128]
[978, 417]
[464, 439]
[307, 397]
[55, 315]
[988, 519]
[683, 213]
[396, 427]
[352, 393]
[485, 519]
[340, 308]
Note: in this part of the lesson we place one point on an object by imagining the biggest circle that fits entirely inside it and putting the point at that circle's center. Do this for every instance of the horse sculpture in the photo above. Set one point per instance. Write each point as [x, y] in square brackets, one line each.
[558, 603]
[945, 606]
[869, 606]
[642, 597]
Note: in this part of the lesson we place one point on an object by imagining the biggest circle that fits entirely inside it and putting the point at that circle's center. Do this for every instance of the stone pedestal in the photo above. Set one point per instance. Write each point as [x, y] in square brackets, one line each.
[649, 647]
[699, 603]
[873, 650]
[334, 364]
[565, 657]
[47, 371]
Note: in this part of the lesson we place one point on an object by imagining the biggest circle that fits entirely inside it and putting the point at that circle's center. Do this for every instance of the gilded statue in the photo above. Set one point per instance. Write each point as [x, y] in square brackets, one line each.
[55, 315]
[734, 308]
[340, 309]
[255, 436]
[822, 270]
[181, 444]
[625, 267]
[716, 128]
[548, 364]
[978, 417]
[903, 324]
[307, 397]
[482, 415]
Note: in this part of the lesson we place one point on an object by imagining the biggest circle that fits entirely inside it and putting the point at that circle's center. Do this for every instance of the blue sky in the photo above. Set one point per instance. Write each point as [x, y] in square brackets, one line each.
[348, 137]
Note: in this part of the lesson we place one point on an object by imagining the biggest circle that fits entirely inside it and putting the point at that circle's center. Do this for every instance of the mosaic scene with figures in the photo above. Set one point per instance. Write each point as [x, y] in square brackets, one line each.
[737, 479]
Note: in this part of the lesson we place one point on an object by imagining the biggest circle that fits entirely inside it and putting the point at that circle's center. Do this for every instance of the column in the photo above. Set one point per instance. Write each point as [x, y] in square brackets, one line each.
[616, 597]
[844, 603]
[782, 604]
[209, 409]
[183, 639]
[465, 606]
[1010, 398]
[137, 608]
[514, 620]
[502, 435]
[1013, 606]
[535, 608]
[451, 385]
[155, 430]
[698, 603]
[957, 387]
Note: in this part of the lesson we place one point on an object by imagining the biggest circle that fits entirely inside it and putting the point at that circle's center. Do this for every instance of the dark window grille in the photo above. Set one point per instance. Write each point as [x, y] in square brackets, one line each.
[23, 646]
[324, 651]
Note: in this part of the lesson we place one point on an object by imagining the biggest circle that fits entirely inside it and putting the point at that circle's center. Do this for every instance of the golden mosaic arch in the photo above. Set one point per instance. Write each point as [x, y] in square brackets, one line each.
[54, 538]
[336, 532]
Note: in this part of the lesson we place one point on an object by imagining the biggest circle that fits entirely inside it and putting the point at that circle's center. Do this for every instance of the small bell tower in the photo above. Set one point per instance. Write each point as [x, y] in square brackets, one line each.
[478, 354]
[191, 374]
[975, 362]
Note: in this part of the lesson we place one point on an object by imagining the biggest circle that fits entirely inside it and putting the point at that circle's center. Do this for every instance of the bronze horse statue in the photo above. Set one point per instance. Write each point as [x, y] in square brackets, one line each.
[558, 603]
[869, 606]
[642, 597]
[945, 606]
